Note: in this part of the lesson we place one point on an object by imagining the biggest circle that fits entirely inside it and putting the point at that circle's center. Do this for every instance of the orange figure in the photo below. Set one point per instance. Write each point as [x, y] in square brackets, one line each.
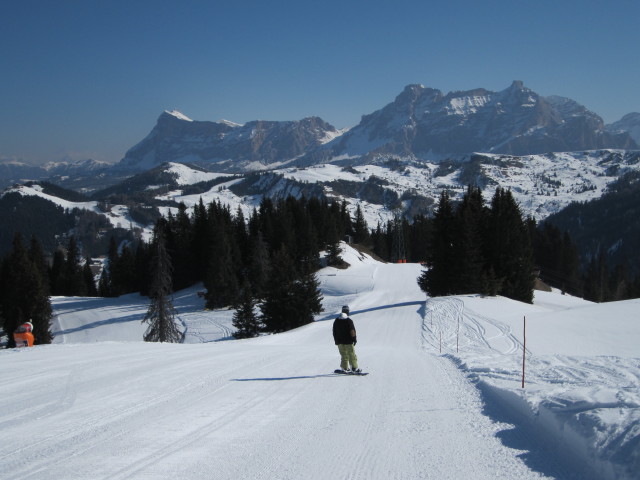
[23, 336]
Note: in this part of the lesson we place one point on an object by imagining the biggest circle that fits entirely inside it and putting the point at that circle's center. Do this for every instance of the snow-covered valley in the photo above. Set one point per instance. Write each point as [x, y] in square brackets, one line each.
[443, 399]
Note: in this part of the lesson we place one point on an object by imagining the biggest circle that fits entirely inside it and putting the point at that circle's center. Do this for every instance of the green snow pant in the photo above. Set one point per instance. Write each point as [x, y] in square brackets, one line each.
[348, 356]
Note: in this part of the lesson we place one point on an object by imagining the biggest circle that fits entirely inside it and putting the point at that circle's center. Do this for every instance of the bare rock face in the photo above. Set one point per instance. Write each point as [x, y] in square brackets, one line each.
[428, 124]
[224, 145]
[630, 124]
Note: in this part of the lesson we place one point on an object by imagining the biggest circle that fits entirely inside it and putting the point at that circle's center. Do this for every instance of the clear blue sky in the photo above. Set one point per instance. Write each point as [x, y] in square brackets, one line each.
[88, 79]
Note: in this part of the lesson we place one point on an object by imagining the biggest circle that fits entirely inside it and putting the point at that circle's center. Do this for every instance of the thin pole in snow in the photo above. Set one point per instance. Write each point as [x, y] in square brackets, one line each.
[524, 347]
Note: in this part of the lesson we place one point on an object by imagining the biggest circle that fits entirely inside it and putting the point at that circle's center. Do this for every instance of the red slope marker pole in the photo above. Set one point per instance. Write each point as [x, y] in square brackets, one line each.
[524, 347]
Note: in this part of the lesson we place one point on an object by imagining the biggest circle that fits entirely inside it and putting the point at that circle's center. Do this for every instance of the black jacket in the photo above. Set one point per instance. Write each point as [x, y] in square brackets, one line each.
[342, 331]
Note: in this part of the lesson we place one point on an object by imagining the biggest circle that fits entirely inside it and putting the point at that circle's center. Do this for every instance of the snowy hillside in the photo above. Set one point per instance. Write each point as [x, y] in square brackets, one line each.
[118, 215]
[541, 184]
[443, 399]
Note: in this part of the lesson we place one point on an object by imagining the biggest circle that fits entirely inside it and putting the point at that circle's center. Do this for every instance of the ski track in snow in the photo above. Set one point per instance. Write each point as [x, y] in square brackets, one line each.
[441, 401]
[590, 389]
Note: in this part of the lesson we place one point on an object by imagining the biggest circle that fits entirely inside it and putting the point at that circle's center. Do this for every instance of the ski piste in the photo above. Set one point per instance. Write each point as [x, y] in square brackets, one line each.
[342, 372]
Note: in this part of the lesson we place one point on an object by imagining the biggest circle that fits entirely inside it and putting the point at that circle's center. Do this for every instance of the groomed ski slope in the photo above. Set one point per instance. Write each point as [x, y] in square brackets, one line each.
[99, 405]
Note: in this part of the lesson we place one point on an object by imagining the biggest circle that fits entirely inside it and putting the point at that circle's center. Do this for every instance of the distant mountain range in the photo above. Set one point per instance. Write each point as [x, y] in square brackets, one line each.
[12, 171]
[425, 123]
[421, 123]
[549, 151]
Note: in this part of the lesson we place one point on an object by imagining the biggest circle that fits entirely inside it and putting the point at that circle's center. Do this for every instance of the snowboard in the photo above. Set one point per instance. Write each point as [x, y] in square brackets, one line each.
[350, 373]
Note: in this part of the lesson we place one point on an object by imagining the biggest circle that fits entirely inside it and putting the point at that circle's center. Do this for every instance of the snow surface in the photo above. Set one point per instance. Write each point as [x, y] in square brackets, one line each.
[186, 175]
[443, 400]
[179, 115]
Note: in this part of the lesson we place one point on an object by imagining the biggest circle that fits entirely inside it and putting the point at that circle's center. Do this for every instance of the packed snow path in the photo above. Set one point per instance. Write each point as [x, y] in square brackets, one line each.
[443, 399]
[259, 408]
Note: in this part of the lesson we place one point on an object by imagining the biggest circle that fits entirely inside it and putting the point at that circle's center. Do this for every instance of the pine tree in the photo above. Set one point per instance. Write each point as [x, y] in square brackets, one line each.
[596, 284]
[71, 278]
[161, 314]
[89, 281]
[55, 272]
[179, 241]
[556, 257]
[333, 244]
[245, 318]
[201, 240]
[104, 284]
[291, 298]
[36, 254]
[420, 236]
[438, 278]
[469, 242]
[360, 228]
[509, 249]
[307, 247]
[24, 294]
[259, 264]
[220, 278]
[122, 270]
[380, 241]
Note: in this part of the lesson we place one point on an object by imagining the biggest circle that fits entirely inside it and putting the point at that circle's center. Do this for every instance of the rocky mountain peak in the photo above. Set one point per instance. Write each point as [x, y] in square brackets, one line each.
[174, 115]
[226, 146]
[517, 84]
[630, 124]
[423, 123]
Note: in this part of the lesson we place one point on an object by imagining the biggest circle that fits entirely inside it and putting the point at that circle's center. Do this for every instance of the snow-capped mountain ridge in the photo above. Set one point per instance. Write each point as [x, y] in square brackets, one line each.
[421, 123]
[226, 146]
[179, 115]
[426, 124]
[15, 171]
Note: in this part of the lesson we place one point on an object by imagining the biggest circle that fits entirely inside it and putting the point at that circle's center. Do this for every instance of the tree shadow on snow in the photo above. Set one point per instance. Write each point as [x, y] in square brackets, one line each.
[99, 323]
[373, 309]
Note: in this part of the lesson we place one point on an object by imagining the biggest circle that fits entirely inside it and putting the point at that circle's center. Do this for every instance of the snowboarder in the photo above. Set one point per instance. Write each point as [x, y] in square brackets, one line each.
[344, 335]
[23, 336]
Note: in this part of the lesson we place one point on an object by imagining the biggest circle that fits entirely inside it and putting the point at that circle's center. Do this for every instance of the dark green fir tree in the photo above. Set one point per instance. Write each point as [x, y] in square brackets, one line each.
[438, 277]
[161, 316]
[24, 294]
[291, 298]
[245, 318]
[509, 249]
